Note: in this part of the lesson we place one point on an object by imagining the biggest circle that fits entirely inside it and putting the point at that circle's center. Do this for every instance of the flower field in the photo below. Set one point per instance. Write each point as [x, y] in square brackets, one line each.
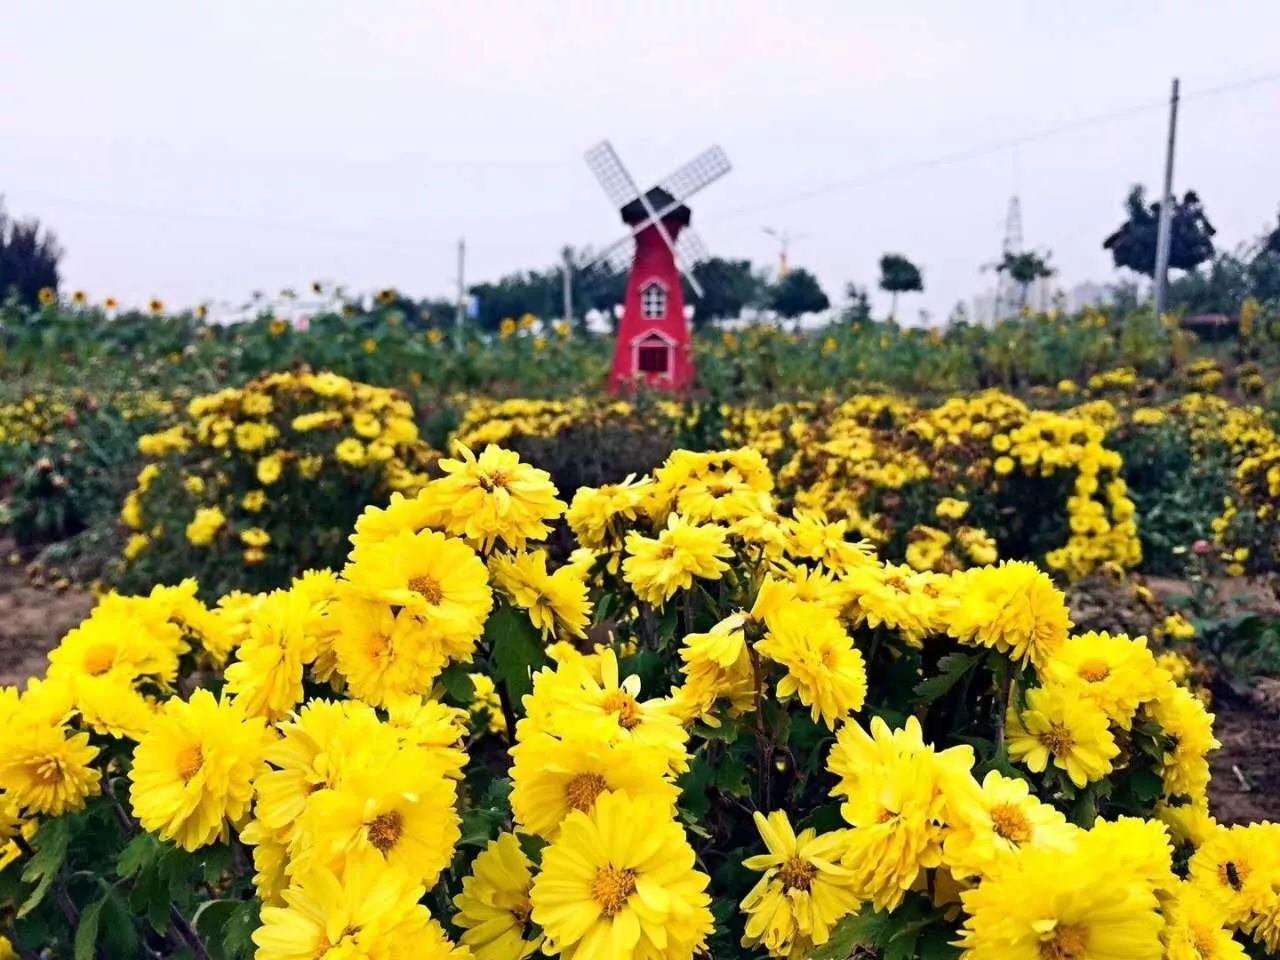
[403, 647]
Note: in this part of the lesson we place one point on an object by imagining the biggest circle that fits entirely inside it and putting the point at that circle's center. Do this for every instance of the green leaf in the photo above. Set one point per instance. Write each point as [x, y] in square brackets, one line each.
[457, 683]
[87, 931]
[532, 846]
[951, 669]
[140, 853]
[238, 930]
[51, 852]
[1147, 785]
[694, 800]
[517, 650]
[864, 929]
[119, 937]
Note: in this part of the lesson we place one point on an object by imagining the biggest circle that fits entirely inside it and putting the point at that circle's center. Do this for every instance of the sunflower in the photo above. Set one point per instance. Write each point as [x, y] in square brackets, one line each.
[493, 497]
[553, 777]
[1057, 726]
[803, 892]
[657, 567]
[1116, 673]
[1085, 903]
[193, 770]
[45, 768]
[620, 882]
[823, 666]
[895, 789]
[993, 822]
[1013, 608]
[494, 906]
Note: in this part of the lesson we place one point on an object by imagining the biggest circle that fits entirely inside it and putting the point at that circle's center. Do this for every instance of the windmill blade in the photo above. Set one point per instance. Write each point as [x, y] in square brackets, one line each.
[618, 255]
[690, 250]
[613, 176]
[707, 167]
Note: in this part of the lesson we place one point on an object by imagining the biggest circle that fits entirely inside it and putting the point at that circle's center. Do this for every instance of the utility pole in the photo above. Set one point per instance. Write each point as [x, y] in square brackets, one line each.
[568, 286]
[1166, 209]
[461, 311]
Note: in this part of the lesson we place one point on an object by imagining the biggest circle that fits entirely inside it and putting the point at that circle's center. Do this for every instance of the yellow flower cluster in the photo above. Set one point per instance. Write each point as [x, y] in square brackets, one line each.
[241, 451]
[331, 752]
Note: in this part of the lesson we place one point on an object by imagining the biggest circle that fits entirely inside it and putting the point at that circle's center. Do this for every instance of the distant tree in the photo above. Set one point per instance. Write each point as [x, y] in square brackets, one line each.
[797, 293]
[1271, 243]
[29, 257]
[1024, 269]
[1220, 287]
[859, 309]
[1133, 244]
[899, 275]
[728, 286]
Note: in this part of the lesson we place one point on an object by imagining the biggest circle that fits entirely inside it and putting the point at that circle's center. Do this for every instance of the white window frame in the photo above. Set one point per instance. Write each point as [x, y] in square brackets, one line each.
[662, 300]
[648, 338]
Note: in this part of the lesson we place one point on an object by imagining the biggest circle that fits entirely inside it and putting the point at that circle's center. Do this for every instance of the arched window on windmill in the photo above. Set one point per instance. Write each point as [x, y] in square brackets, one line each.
[653, 300]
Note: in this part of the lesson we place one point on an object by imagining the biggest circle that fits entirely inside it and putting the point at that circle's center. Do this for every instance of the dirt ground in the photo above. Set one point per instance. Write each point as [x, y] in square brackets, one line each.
[32, 620]
[1246, 771]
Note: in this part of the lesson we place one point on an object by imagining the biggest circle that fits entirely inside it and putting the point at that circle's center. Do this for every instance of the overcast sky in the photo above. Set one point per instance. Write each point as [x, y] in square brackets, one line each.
[195, 151]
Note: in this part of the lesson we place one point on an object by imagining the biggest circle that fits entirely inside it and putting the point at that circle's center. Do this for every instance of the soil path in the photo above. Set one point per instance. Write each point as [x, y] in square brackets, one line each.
[32, 620]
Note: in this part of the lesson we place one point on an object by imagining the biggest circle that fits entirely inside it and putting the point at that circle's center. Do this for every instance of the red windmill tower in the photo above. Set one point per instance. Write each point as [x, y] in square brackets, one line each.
[653, 337]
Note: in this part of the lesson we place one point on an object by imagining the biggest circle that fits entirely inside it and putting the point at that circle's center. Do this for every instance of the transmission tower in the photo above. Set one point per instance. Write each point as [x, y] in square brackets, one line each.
[1006, 304]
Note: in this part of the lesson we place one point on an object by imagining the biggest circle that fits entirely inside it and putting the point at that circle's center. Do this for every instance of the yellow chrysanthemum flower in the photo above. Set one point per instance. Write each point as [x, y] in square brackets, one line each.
[1195, 928]
[584, 697]
[657, 567]
[823, 666]
[717, 666]
[369, 913]
[267, 673]
[193, 771]
[1013, 608]
[620, 882]
[384, 655]
[493, 497]
[1116, 673]
[401, 814]
[436, 579]
[895, 789]
[1238, 869]
[557, 602]
[494, 906]
[1059, 726]
[597, 514]
[46, 769]
[1086, 903]
[992, 822]
[553, 777]
[1185, 720]
[804, 891]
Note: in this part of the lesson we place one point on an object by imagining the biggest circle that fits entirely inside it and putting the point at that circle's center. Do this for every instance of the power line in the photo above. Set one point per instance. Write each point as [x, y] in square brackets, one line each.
[997, 146]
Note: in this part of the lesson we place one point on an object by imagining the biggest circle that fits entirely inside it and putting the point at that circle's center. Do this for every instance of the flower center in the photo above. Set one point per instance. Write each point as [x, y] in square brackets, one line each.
[1058, 739]
[898, 584]
[1094, 671]
[522, 911]
[582, 790]
[98, 659]
[1011, 823]
[427, 588]
[190, 759]
[797, 874]
[611, 888]
[1070, 942]
[491, 481]
[385, 829]
[666, 551]
[625, 706]
[1233, 874]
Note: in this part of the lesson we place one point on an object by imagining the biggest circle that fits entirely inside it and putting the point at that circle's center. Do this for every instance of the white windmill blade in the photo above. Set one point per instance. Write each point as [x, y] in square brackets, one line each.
[619, 255]
[690, 251]
[613, 176]
[706, 168]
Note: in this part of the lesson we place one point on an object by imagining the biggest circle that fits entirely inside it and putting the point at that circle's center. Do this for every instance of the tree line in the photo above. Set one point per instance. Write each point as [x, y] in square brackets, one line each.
[1210, 280]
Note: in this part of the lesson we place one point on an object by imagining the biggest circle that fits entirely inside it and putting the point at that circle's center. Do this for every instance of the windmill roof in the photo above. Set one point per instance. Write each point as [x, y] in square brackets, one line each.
[659, 199]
